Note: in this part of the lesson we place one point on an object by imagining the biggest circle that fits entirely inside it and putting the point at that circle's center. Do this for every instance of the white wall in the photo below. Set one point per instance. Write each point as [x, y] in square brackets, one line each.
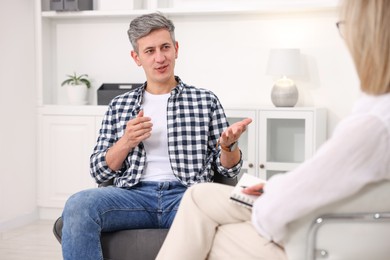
[17, 106]
[224, 53]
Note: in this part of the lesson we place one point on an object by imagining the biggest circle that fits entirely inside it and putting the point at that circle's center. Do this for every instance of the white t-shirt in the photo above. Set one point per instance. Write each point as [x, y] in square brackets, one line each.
[158, 166]
[358, 153]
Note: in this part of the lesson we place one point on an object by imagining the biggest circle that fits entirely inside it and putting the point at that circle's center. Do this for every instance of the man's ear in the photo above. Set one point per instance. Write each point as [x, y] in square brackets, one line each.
[177, 49]
[135, 57]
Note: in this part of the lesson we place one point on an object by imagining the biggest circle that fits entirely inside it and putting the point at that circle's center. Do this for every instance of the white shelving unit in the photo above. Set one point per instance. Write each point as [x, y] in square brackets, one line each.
[67, 134]
[57, 56]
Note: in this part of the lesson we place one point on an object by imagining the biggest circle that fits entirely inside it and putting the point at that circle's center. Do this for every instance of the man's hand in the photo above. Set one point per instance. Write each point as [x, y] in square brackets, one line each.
[229, 136]
[138, 129]
[233, 132]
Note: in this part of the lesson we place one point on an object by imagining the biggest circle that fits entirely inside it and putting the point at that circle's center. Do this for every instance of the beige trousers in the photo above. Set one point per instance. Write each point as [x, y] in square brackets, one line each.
[209, 226]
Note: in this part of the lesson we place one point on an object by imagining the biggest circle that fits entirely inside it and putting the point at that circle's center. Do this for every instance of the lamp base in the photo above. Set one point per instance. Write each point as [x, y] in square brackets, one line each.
[284, 93]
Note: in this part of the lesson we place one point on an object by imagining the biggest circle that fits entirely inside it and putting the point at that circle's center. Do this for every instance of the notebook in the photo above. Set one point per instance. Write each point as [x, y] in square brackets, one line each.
[243, 199]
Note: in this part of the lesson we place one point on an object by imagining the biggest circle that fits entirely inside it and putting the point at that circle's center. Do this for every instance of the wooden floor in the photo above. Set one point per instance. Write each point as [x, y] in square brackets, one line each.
[32, 242]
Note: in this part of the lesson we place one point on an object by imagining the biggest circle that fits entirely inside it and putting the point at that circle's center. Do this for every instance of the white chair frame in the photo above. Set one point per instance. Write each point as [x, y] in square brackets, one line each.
[352, 228]
[314, 253]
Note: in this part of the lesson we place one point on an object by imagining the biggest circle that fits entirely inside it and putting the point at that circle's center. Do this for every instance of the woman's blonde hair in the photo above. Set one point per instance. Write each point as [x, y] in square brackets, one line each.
[367, 34]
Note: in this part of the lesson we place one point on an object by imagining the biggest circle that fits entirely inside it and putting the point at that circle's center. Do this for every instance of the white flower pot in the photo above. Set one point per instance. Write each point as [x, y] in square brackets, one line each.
[77, 94]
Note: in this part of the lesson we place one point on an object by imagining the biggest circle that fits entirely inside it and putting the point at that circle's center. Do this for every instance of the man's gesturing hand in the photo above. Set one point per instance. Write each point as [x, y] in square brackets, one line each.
[233, 132]
[138, 129]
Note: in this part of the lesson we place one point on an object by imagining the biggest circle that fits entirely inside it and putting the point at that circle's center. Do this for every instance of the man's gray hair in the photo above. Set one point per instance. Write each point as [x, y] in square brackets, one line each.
[145, 24]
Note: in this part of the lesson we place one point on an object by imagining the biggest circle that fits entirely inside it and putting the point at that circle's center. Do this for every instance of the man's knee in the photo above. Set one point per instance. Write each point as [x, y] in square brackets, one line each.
[80, 204]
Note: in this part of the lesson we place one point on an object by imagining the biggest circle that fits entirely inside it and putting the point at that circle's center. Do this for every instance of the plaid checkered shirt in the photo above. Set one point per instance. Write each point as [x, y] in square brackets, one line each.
[195, 121]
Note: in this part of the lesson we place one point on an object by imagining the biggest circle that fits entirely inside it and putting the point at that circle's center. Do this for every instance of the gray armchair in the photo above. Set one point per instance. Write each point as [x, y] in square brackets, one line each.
[134, 244]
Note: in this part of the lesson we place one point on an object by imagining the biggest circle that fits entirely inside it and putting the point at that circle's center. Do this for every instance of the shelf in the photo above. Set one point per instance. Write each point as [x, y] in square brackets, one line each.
[265, 9]
[91, 14]
[73, 110]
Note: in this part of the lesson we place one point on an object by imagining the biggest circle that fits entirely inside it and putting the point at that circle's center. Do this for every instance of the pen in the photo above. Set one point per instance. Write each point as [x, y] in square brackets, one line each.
[261, 190]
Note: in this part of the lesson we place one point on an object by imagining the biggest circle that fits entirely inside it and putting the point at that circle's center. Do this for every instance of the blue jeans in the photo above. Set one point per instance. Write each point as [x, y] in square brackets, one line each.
[90, 212]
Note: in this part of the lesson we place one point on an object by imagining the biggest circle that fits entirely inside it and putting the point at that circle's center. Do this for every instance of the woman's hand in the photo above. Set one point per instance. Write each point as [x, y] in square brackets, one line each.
[254, 190]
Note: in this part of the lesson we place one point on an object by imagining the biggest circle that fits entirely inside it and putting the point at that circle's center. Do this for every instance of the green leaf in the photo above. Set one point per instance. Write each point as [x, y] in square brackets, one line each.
[77, 80]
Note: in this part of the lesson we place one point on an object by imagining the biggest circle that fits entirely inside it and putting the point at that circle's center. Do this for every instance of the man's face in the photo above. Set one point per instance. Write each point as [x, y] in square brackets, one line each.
[157, 54]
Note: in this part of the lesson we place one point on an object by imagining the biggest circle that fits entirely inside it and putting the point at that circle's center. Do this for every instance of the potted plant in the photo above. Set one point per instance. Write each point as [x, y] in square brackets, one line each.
[77, 88]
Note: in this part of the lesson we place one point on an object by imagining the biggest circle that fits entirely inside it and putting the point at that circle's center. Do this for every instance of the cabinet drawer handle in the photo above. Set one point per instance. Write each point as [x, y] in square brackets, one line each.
[250, 165]
[262, 166]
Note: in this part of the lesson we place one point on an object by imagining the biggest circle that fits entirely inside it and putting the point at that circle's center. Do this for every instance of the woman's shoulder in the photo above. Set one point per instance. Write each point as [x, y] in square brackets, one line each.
[381, 108]
[369, 107]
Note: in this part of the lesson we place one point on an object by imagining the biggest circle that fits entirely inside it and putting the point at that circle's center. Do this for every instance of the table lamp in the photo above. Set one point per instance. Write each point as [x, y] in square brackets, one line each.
[284, 63]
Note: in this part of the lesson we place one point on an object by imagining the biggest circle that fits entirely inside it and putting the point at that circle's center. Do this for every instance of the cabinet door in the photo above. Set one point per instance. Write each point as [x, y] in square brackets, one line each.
[247, 141]
[286, 139]
[67, 143]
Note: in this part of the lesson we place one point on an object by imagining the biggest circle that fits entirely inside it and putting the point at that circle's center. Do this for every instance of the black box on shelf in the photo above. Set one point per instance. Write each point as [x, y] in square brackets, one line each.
[108, 91]
[57, 5]
[71, 5]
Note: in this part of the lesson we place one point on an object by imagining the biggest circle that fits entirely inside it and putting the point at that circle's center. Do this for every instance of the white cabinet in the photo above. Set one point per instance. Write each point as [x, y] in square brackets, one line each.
[66, 140]
[279, 139]
[287, 137]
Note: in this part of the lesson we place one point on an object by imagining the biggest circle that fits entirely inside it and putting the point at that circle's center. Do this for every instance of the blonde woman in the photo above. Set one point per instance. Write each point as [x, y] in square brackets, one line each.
[357, 154]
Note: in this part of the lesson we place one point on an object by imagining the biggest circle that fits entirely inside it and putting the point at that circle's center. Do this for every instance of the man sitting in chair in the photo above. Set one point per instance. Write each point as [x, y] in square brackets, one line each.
[155, 141]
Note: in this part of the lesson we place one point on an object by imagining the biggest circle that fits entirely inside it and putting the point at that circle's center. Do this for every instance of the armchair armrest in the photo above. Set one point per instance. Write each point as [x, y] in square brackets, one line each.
[351, 228]
[358, 235]
[107, 183]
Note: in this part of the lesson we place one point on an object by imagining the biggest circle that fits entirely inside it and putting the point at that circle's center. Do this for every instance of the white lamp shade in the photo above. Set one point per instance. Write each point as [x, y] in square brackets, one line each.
[285, 62]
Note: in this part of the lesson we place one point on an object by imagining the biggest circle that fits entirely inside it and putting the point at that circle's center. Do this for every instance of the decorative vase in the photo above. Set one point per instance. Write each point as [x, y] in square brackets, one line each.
[77, 94]
[284, 93]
